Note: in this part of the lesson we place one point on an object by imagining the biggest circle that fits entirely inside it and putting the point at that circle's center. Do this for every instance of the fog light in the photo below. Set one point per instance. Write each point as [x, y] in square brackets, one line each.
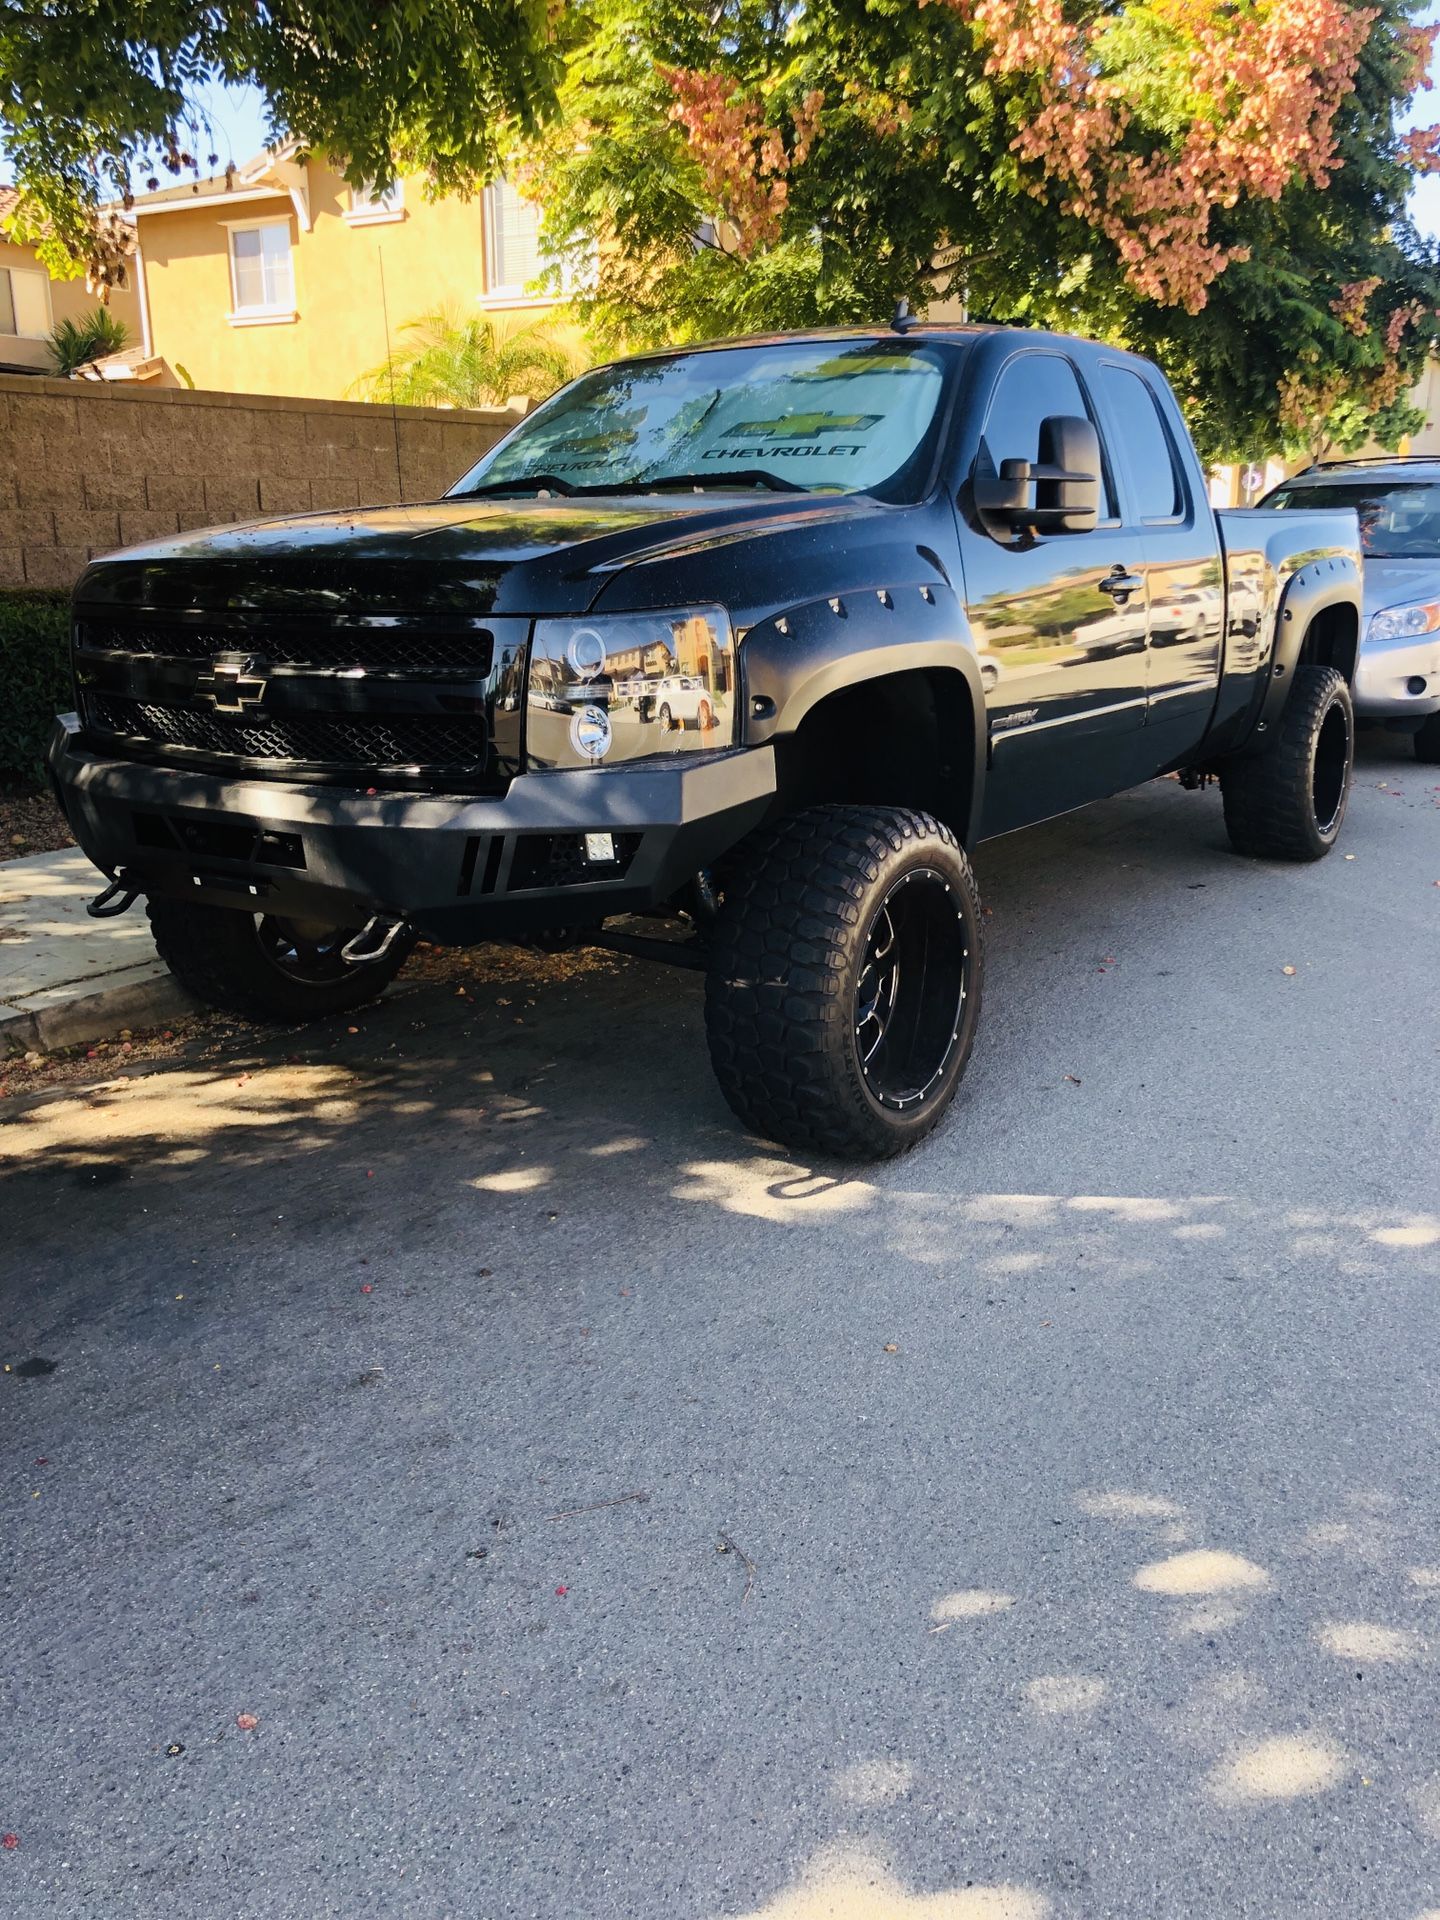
[600, 849]
[590, 733]
[1417, 683]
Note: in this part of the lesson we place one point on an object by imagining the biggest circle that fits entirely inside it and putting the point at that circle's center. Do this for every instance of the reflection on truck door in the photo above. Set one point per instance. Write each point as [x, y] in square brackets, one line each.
[1181, 562]
[1067, 638]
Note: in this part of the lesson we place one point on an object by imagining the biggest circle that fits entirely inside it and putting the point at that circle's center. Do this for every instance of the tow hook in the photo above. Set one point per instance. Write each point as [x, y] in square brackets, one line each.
[373, 941]
[117, 898]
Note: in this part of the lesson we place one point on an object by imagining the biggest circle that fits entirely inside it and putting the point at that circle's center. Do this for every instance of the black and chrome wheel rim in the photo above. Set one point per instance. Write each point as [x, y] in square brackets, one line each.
[911, 990]
[306, 951]
[1330, 771]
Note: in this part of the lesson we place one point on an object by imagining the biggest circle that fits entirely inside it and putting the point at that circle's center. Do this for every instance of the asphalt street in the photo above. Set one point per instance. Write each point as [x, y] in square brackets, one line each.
[476, 1480]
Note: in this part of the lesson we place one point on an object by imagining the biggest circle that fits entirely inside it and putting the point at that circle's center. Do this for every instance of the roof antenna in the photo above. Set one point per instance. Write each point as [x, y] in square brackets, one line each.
[904, 320]
[390, 370]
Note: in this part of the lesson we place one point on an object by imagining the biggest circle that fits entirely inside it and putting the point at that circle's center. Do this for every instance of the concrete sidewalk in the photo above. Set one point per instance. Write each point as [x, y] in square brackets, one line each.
[65, 978]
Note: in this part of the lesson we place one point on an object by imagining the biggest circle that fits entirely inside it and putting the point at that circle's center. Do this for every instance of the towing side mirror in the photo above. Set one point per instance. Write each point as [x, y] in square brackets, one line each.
[1058, 493]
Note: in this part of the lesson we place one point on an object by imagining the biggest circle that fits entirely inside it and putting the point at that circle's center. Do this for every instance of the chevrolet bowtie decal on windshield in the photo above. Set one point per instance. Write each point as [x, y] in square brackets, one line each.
[801, 426]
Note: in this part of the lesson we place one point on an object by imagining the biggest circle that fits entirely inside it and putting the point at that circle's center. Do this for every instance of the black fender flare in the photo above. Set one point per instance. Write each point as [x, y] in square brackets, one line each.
[1332, 580]
[793, 660]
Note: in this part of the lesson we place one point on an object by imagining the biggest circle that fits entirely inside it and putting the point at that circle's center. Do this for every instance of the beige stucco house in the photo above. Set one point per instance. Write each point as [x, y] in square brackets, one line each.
[278, 278]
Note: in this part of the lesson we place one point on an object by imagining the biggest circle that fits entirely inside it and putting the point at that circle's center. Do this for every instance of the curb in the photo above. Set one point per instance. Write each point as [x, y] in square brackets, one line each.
[97, 1015]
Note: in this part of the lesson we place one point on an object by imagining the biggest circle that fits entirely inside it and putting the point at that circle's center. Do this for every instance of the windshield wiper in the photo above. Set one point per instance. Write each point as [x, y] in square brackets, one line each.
[552, 483]
[735, 477]
[524, 483]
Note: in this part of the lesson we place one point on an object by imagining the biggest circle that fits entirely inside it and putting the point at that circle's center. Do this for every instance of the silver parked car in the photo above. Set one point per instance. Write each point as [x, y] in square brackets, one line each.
[1397, 500]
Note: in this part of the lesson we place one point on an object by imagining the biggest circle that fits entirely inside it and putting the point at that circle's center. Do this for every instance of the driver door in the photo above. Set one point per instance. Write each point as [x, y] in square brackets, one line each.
[1060, 623]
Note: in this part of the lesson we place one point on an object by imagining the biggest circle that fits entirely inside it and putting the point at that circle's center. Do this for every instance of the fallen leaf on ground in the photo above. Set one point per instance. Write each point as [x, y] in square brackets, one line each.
[891, 1347]
[9, 1841]
[1287, 970]
[246, 1722]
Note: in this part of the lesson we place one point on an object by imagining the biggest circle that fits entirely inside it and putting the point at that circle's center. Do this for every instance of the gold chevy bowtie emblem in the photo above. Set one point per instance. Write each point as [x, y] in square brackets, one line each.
[233, 682]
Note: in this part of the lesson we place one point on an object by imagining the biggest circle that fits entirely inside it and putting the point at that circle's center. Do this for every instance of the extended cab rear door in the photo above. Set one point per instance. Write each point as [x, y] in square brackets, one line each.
[1162, 496]
[1059, 620]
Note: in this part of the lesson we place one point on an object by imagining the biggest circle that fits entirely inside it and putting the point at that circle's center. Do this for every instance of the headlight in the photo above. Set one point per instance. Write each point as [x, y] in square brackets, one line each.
[1399, 623]
[626, 686]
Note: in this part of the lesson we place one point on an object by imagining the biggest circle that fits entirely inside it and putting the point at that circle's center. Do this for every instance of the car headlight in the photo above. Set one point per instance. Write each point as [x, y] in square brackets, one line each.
[628, 686]
[1400, 623]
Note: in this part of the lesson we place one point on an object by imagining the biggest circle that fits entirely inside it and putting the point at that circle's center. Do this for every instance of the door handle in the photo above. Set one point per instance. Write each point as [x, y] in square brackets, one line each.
[1120, 585]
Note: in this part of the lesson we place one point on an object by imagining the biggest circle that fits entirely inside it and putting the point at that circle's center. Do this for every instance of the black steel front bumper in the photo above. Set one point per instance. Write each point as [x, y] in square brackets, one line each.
[460, 869]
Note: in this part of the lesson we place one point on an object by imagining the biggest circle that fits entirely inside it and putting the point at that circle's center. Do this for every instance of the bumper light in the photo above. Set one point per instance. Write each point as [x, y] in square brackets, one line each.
[630, 686]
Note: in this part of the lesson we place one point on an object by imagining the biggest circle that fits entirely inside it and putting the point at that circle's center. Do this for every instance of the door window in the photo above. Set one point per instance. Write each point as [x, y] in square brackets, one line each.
[1033, 387]
[1144, 444]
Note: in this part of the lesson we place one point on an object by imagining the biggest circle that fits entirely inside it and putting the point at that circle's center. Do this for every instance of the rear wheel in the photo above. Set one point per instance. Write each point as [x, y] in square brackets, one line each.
[844, 987]
[1427, 742]
[264, 966]
[1288, 802]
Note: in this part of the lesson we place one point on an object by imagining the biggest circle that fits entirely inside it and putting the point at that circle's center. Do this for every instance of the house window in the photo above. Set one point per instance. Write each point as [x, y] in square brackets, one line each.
[24, 303]
[368, 208]
[512, 242]
[262, 279]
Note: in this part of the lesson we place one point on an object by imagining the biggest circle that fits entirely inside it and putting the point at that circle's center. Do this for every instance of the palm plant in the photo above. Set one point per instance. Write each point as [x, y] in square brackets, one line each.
[75, 343]
[447, 360]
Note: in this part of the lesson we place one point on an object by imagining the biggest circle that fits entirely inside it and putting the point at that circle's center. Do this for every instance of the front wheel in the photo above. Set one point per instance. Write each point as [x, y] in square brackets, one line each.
[1288, 802]
[844, 985]
[265, 967]
[1427, 742]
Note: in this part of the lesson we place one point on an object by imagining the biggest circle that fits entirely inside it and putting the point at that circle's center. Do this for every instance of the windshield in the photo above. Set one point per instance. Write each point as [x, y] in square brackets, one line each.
[809, 415]
[1399, 519]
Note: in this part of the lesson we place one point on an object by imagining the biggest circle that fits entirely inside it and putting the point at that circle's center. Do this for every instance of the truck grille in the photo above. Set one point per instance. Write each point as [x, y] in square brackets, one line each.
[389, 649]
[334, 740]
[285, 696]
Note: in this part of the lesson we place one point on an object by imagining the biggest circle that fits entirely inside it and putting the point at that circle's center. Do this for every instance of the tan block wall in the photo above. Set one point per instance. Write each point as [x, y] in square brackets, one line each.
[86, 468]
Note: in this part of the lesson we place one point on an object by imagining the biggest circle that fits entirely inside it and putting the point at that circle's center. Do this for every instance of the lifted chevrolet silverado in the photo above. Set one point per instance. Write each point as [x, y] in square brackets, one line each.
[760, 636]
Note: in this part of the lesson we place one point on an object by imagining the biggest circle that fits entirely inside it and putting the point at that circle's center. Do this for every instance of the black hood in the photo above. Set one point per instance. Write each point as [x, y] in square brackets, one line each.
[472, 556]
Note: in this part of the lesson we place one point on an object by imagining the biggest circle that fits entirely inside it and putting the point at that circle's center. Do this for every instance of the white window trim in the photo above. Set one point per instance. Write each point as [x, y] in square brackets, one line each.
[515, 302]
[239, 316]
[263, 316]
[502, 296]
[375, 215]
[39, 274]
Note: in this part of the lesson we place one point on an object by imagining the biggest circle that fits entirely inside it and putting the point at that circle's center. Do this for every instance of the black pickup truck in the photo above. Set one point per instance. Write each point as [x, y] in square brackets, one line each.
[759, 637]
